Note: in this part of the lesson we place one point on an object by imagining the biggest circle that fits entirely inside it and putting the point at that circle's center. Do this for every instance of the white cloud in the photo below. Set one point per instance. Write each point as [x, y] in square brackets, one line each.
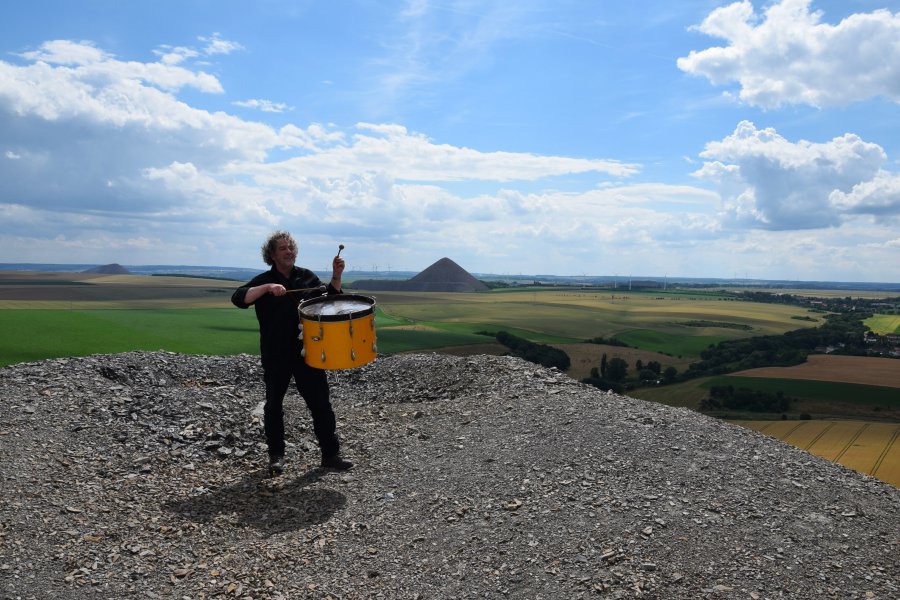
[879, 196]
[789, 56]
[411, 156]
[105, 145]
[92, 67]
[66, 52]
[263, 105]
[769, 182]
[216, 45]
[175, 55]
[103, 158]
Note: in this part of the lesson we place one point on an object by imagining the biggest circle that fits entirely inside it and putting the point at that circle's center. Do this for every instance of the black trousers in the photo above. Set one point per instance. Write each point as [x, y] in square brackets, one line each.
[313, 387]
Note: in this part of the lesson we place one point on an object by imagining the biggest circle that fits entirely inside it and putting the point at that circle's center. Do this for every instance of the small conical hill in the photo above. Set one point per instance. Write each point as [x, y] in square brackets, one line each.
[445, 276]
[110, 269]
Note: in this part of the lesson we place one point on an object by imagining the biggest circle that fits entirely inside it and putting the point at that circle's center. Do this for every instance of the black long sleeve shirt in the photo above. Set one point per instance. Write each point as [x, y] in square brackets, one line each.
[279, 321]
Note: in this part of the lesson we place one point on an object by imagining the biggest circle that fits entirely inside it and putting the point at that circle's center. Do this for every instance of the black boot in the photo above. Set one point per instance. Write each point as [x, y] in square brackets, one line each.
[276, 464]
[336, 462]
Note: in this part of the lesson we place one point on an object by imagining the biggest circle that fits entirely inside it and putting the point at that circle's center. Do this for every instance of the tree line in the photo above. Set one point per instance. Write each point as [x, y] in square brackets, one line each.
[541, 354]
[731, 398]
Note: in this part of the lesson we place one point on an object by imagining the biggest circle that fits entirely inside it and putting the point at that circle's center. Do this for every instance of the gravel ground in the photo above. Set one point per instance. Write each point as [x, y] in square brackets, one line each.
[141, 475]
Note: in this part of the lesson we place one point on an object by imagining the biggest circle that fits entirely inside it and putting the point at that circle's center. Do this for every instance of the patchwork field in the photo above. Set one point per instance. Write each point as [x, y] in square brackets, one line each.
[24, 290]
[46, 315]
[663, 322]
[871, 448]
[670, 326]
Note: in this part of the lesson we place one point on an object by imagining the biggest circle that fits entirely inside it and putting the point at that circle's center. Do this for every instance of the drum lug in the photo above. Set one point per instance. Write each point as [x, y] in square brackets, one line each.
[303, 353]
[352, 354]
[351, 328]
[323, 356]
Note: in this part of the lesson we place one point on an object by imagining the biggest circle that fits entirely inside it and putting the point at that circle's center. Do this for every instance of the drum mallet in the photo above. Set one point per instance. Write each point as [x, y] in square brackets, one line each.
[320, 288]
[340, 247]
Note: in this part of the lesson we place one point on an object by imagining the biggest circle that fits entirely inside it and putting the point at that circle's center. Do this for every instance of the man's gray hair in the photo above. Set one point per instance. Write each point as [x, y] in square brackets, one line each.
[271, 245]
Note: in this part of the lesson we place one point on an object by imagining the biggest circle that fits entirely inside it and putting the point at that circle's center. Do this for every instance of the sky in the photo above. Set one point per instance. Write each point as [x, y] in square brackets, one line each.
[701, 138]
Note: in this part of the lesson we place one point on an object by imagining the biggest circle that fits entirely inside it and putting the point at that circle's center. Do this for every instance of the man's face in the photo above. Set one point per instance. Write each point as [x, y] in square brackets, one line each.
[285, 255]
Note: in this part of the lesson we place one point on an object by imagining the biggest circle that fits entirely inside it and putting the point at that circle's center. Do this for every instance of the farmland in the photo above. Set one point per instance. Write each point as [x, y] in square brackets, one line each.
[656, 321]
[847, 369]
[52, 315]
[58, 314]
[872, 448]
[863, 396]
[883, 324]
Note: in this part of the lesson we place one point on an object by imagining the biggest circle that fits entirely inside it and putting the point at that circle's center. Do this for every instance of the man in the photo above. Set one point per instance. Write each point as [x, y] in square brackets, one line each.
[271, 294]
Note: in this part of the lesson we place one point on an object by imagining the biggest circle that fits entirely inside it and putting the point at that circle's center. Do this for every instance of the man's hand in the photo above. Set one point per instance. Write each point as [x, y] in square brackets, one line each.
[337, 267]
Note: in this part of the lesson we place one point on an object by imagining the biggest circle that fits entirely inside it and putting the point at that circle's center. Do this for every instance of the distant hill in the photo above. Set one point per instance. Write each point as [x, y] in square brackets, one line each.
[111, 269]
[443, 276]
[350, 277]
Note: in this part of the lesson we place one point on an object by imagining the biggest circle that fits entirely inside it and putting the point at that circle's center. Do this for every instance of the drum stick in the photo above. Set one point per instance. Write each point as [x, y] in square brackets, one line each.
[320, 288]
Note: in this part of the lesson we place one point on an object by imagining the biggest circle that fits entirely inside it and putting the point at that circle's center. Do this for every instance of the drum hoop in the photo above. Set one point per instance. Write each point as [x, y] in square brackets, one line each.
[342, 317]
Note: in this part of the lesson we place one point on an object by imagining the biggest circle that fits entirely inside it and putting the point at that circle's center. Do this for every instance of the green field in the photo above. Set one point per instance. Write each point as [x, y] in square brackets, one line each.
[655, 321]
[50, 317]
[31, 335]
[882, 324]
[822, 391]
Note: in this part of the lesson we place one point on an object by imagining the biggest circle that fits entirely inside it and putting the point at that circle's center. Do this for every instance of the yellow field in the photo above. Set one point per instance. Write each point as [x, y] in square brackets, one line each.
[868, 447]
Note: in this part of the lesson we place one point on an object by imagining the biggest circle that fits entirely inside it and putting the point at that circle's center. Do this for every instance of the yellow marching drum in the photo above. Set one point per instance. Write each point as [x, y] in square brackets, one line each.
[338, 331]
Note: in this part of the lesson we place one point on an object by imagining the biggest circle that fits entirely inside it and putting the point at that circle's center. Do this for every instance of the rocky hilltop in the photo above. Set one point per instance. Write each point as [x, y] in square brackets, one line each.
[140, 475]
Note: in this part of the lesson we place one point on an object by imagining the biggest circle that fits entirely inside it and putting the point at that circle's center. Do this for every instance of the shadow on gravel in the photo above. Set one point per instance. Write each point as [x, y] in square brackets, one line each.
[270, 505]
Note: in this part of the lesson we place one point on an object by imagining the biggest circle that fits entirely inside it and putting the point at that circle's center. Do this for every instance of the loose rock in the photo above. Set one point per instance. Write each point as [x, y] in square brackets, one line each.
[143, 475]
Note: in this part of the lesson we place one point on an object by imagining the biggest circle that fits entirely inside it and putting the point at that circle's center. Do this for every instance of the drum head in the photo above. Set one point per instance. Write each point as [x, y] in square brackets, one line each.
[341, 307]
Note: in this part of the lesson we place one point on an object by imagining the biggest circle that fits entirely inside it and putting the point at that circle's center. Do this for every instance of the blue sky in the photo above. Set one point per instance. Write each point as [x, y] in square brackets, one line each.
[702, 139]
